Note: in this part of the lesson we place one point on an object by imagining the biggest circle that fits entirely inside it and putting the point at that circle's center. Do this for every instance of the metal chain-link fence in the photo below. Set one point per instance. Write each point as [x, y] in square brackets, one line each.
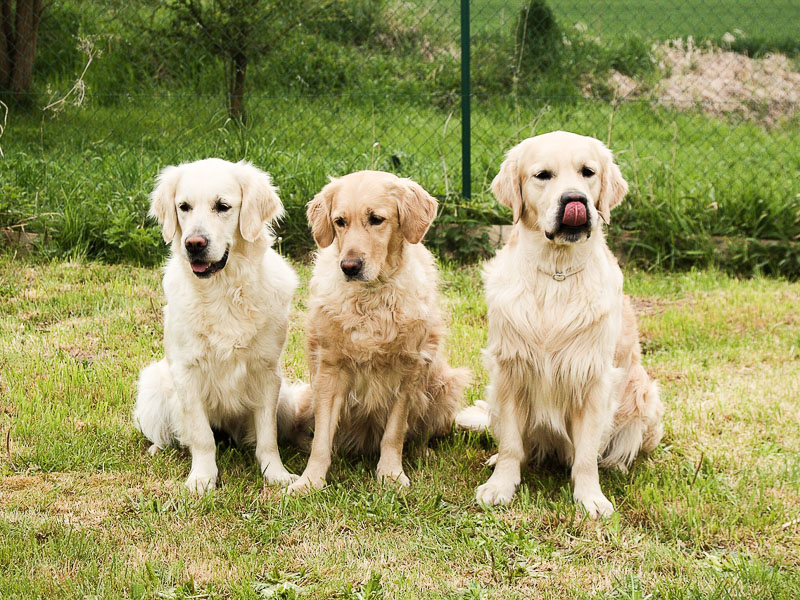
[698, 100]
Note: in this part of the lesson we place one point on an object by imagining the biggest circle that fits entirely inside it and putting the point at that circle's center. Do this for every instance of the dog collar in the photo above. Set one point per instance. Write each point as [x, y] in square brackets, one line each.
[562, 275]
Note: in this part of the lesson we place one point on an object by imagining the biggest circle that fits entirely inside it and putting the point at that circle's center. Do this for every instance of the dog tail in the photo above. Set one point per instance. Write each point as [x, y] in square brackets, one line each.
[654, 429]
[637, 422]
[475, 417]
[151, 413]
[295, 414]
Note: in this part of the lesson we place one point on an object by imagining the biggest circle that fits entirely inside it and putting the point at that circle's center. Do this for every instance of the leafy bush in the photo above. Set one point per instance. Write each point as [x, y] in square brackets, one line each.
[539, 38]
[16, 207]
[460, 233]
[130, 234]
[352, 21]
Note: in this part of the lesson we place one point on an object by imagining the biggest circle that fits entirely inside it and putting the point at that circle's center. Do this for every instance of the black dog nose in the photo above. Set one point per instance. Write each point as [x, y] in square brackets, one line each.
[573, 197]
[351, 266]
[196, 244]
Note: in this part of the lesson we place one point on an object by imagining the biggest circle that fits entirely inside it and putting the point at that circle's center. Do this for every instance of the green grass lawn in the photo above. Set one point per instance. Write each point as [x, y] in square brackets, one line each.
[85, 512]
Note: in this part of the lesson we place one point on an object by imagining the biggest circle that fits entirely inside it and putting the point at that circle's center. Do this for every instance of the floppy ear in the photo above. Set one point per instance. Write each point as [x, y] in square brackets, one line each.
[318, 213]
[506, 185]
[613, 186]
[416, 210]
[260, 202]
[162, 202]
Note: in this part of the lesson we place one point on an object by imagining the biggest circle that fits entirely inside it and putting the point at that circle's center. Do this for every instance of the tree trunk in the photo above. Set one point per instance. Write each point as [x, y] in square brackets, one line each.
[27, 29]
[6, 44]
[237, 82]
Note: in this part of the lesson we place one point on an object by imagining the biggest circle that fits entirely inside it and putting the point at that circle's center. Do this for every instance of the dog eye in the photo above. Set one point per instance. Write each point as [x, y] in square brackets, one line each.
[587, 172]
[184, 207]
[375, 220]
[339, 222]
[544, 175]
[221, 207]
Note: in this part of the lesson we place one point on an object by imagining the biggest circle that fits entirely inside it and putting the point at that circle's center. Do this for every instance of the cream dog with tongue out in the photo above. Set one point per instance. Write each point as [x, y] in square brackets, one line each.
[563, 348]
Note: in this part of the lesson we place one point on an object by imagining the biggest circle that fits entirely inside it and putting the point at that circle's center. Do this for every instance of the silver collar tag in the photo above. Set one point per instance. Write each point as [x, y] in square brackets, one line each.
[562, 275]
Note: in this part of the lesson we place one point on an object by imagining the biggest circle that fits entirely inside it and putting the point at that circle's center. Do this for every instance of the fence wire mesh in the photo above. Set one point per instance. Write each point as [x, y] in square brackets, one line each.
[698, 100]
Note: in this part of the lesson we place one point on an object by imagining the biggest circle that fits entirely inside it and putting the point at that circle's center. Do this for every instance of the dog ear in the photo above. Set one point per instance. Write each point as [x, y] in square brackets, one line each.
[613, 185]
[318, 213]
[416, 210]
[506, 185]
[162, 202]
[260, 201]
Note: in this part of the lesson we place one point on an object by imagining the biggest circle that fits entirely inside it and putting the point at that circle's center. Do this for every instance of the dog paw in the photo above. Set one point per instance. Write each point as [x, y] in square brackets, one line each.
[279, 476]
[492, 493]
[397, 478]
[201, 483]
[595, 504]
[153, 450]
[304, 485]
[427, 453]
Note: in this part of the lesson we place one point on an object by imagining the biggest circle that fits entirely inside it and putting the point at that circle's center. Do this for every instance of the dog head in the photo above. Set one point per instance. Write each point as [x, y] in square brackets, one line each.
[369, 215]
[210, 208]
[561, 184]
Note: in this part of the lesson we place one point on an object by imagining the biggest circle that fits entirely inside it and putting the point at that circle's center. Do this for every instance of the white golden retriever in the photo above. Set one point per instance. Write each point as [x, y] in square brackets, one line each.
[228, 295]
[379, 374]
[563, 349]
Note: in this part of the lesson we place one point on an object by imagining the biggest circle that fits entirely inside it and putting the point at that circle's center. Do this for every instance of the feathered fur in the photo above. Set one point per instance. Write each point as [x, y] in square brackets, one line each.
[223, 333]
[563, 355]
[385, 333]
[379, 371]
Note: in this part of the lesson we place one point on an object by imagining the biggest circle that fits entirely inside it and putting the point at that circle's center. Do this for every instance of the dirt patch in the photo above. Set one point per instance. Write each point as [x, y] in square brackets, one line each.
[643, 305]
[21, 241]
[84, 500]
[718, 82]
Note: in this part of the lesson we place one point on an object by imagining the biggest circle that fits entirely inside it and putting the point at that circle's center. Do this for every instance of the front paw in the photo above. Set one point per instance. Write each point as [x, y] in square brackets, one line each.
[304, 485]
[200, 483]
[594, 503]
[495, 492]
[393, 477]
[278, 475]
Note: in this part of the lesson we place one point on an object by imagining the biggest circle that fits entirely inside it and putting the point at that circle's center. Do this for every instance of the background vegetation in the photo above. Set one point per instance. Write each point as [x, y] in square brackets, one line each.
[132, 86]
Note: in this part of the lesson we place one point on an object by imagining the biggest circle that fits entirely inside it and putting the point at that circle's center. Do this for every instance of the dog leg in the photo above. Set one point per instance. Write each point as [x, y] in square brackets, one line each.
[330, 388]
[511, 452]
[267, 431]
[390, 464]
[586, 430]
[196, 433]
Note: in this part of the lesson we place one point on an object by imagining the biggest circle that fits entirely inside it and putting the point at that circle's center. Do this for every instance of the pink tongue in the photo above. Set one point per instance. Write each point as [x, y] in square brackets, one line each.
[574, 214]
[200, 267]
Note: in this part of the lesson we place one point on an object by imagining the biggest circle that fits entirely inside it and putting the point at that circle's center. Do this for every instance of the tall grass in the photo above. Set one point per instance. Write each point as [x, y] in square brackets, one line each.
[93, 199]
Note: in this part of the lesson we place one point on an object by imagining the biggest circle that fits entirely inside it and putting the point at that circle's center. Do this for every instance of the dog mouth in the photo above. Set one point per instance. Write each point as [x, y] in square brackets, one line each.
[205, 269]
[573, 221]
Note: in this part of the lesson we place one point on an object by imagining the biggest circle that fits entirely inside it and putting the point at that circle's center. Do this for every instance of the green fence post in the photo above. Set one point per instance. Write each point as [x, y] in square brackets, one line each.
[466, 171]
